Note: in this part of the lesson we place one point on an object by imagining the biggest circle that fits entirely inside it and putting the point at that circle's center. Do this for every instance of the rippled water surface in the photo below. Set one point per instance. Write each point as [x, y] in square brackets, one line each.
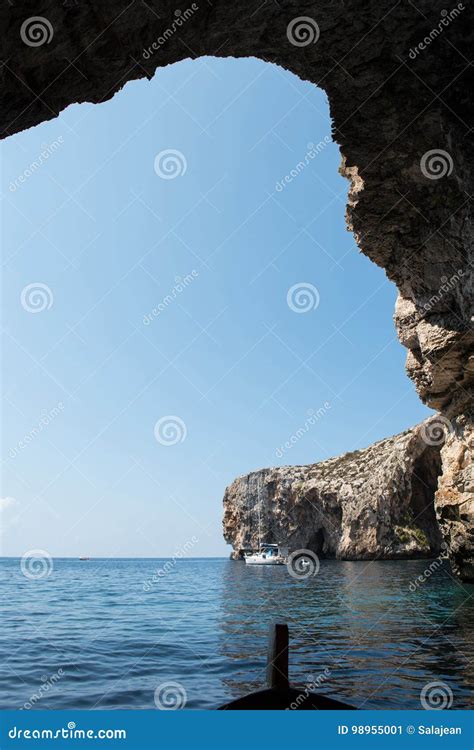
[95, 634]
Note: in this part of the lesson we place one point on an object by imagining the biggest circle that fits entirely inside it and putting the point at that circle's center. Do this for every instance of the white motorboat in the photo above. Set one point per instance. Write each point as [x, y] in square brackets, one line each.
[268, 554]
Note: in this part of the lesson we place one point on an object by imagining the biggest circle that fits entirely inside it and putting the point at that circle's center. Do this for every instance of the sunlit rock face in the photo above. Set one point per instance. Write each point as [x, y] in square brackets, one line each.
[455, 496]
[372, 503]
[399, 84]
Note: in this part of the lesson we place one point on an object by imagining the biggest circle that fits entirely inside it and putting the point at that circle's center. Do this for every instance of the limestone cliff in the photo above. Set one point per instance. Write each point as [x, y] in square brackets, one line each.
[376, 502]
[454, 499]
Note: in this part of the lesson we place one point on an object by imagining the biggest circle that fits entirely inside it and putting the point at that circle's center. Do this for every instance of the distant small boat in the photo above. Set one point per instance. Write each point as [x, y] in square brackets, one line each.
[268, 554]
[84, 558]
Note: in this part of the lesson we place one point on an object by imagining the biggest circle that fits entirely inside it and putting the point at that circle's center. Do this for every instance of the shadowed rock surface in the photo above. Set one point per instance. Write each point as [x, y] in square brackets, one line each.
[376, 502]
[402, 114]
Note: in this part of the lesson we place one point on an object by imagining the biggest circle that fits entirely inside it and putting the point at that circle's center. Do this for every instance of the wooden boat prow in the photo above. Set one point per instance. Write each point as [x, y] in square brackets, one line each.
[279, 695]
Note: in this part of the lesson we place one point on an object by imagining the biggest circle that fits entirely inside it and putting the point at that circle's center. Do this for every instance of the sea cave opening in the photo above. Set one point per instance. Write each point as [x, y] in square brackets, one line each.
[188, 242]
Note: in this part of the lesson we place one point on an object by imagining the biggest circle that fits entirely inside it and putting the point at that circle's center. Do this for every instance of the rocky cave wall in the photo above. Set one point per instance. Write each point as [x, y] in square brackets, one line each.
[399, 81]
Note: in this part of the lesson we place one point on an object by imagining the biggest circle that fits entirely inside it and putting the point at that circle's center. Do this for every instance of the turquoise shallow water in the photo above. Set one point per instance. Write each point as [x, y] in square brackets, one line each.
[103, 634]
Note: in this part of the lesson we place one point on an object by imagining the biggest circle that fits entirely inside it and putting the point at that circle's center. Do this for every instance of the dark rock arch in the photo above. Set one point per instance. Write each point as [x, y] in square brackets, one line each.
[399, 80]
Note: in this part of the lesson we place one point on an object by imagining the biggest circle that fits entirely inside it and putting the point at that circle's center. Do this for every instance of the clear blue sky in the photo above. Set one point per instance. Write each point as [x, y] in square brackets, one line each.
[228, 356]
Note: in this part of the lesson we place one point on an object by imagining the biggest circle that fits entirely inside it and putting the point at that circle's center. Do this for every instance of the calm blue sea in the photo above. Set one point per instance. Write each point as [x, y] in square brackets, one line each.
[105, 634]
